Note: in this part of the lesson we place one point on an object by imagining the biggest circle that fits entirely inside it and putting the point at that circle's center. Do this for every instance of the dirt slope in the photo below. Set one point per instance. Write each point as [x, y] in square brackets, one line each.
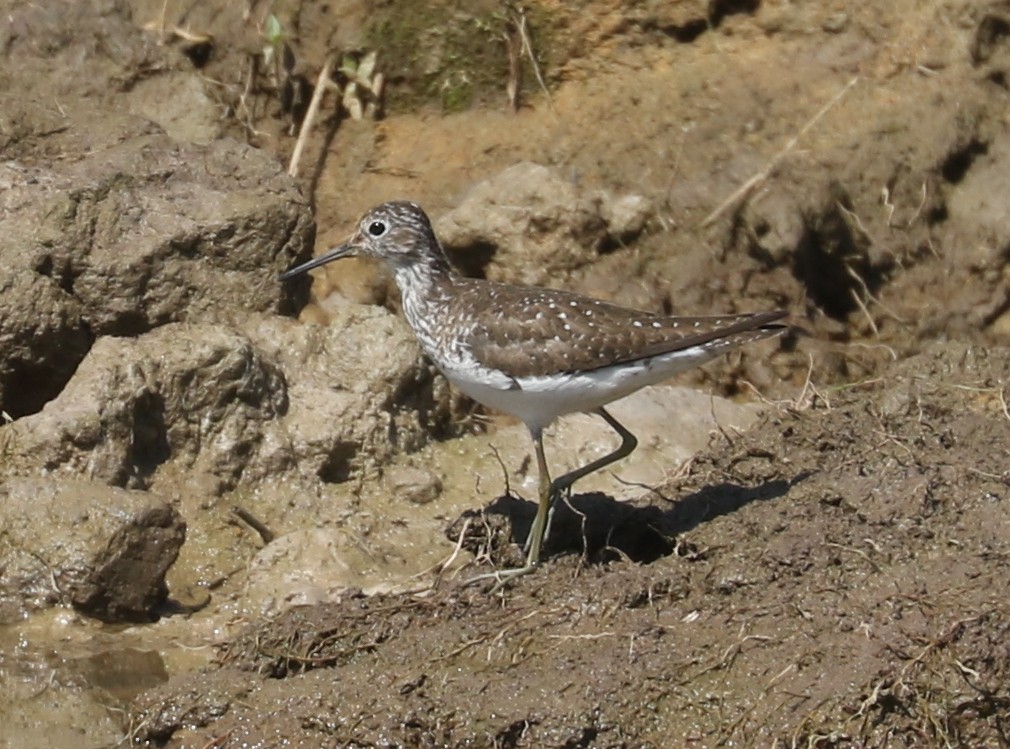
[836, 577]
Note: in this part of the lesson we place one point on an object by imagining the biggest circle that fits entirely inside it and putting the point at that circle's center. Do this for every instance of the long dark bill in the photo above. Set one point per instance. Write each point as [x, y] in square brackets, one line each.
[327, 257]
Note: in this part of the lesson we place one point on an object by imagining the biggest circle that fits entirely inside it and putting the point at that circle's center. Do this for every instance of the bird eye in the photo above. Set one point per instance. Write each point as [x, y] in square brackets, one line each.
[377, 228]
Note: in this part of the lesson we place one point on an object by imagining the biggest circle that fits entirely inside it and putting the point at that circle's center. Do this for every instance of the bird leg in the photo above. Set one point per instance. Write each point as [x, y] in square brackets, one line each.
[627, 446]
[550, 491]
[564, 483]
[545, 508]
[539, 529]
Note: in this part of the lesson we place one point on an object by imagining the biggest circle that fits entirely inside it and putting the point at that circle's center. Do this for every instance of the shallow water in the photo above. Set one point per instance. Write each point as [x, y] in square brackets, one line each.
[67, 680]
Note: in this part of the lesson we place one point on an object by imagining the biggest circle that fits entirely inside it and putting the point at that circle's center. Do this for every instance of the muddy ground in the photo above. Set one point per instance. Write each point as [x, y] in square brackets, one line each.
[834, 576]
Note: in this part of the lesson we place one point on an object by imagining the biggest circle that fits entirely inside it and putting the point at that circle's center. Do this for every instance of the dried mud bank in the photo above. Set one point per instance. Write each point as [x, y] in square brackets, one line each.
[838, 578]
[835, 578]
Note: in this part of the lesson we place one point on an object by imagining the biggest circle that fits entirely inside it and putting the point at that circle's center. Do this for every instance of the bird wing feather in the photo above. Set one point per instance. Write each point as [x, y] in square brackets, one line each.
[538, 332]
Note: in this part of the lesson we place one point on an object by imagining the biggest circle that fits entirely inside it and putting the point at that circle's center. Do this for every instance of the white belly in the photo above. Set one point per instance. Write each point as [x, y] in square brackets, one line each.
[538, 401]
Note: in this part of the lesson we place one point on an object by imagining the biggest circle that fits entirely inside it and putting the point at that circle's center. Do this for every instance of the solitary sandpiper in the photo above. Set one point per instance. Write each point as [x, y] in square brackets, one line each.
[535, 353]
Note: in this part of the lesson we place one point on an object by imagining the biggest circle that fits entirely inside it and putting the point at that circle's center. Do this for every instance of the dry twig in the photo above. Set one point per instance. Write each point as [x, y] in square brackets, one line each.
[310, 116]
[745, 189]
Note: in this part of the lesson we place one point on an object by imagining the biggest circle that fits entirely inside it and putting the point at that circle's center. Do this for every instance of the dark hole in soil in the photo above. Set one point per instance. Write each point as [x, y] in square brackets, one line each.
[473, 259]
[957, 163]
[150, 435]
[337, 466]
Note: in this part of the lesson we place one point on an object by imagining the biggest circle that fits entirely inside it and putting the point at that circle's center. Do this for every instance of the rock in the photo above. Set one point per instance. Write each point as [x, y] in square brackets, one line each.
[974, 200]
[306, 567]
[103, 550]
[625, 215]
[775, 224]
[680, 18]
[210, 404]
[412, 483]
[359, 390]
[194, 394]
[134, 236]
[195, 411]
[79, 51]
[43, 337]
[178, 101]
[530, 225]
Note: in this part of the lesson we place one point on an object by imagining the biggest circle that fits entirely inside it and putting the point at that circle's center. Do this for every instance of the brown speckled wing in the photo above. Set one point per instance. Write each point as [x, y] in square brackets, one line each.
[532, 332]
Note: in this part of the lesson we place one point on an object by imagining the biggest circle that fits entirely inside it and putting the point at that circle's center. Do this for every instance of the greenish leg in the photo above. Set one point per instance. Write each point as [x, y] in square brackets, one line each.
[550, 491]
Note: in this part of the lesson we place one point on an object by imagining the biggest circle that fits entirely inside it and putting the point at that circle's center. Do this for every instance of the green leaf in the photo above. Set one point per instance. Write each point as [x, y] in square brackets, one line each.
[274, 32]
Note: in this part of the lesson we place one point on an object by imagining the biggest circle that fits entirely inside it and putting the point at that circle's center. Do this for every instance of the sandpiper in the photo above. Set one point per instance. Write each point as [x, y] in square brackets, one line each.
[531, 352]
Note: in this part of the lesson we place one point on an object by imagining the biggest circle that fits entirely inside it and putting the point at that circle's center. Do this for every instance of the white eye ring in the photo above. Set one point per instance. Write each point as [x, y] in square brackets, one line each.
[377, 228]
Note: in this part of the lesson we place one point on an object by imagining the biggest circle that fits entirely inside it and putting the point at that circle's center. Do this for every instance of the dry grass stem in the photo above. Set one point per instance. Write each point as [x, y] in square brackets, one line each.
[310, 116]
[745, 189]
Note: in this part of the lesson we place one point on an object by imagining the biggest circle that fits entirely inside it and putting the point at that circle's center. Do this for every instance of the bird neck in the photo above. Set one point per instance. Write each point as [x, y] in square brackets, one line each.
[423, 277]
